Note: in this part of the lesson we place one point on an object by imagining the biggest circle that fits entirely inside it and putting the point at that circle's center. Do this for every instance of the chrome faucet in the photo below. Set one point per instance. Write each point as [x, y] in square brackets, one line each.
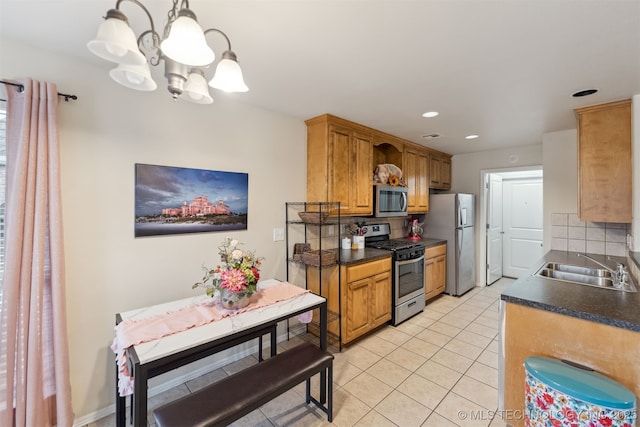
[619, 275]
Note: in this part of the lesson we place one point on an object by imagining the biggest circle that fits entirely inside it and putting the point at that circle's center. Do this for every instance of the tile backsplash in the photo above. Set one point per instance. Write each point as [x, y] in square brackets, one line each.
[568, 233]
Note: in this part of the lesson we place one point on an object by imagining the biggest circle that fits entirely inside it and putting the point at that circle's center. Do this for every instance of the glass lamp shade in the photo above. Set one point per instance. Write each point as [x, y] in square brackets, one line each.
[228, 76]
[186, 42]
[116, 42]
[196, 89]
[136, 77]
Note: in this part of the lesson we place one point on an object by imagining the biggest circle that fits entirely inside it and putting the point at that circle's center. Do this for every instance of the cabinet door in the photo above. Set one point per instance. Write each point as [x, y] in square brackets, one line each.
[349, 170]
[356, 315]
[445, 174]
[422, 202]
[339, 167]
[604, 163]
[361, 184]
[435, 271]
[435, 172]
[410, 177]
[380, 310]
[429, 278]
[416, 175]
[440, 274]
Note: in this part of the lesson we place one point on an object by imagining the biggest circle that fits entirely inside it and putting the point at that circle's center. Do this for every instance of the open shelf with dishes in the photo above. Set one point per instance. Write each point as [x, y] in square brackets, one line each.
[313, 257]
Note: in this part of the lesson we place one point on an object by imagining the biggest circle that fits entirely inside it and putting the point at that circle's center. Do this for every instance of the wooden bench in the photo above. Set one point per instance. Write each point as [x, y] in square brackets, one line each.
[233, 397]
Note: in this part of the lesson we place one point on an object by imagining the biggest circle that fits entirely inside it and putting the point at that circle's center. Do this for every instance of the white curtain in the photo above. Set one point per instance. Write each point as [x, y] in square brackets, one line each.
[34, 364]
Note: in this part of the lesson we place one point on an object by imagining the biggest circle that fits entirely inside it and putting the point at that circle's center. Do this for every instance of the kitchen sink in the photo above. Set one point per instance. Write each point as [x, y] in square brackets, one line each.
[597, 277]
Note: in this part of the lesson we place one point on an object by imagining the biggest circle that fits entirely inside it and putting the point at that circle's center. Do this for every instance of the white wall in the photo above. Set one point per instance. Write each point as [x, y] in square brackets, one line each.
[466, 171]
[103, 134]
[560, 187]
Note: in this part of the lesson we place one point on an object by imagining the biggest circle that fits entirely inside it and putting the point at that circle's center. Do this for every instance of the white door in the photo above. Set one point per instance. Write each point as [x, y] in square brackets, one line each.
[522, 224]
[494, 228]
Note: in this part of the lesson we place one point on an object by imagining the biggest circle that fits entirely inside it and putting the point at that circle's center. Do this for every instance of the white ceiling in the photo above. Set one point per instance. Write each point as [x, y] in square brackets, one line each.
[504, 70]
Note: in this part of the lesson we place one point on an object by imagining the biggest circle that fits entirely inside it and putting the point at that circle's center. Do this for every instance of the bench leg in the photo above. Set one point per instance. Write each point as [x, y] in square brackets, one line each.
[330, 393]
[326, 392]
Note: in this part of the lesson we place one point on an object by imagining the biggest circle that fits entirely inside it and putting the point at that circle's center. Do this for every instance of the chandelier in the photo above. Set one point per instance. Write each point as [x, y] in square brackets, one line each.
[182, 47]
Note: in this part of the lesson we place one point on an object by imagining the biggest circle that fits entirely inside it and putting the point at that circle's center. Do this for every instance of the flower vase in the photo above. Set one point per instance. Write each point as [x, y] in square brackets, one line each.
[232, 300]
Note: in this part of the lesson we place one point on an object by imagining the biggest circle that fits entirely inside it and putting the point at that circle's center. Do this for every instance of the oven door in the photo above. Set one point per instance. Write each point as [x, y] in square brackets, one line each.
[409, 279]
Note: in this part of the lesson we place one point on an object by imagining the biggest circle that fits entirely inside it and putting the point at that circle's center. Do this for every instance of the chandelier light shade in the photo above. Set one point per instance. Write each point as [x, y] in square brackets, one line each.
[228, 75]
[186, 43]
[116, 41]
[136, 77]
[196, 88]
[183, 47]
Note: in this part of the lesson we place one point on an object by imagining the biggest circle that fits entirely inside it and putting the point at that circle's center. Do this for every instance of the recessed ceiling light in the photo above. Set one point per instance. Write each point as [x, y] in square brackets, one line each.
[431, 136]
[585, 92]
[430, 114]
[471, 137]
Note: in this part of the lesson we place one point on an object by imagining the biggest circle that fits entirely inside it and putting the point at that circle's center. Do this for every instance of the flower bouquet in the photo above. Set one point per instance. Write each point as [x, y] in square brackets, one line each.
[235, 279]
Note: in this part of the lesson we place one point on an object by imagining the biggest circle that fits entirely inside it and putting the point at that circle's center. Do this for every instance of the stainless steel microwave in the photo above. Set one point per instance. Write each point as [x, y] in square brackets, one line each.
[389, 201]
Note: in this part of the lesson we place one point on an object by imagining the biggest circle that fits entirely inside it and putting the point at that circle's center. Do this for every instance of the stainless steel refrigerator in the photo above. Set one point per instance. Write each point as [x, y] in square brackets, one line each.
[451, 217]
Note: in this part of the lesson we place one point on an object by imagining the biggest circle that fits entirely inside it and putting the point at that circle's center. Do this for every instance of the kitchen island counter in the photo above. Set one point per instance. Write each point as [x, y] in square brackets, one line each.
[608, 306]
[590, 326]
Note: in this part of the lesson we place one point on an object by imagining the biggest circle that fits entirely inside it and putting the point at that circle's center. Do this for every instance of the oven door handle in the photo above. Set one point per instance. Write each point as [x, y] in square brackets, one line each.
[410, 261]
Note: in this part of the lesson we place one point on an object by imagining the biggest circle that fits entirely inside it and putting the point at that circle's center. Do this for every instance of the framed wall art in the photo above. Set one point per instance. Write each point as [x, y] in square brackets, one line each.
[174, 200]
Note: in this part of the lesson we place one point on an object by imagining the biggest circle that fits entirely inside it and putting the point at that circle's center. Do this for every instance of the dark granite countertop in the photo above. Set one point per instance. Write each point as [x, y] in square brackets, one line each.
[348, 256]
[607, 306]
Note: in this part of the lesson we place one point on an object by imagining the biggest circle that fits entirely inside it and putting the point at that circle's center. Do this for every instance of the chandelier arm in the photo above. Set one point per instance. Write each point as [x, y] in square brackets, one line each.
[220, 32]
[153, 28]
[154, 34]
[172, 14]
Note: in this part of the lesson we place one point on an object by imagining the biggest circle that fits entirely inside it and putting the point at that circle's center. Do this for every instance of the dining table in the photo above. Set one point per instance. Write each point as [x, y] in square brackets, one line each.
[158, 356]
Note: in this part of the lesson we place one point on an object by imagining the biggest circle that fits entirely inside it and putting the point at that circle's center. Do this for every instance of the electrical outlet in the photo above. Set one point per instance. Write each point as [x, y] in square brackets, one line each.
[278, 234]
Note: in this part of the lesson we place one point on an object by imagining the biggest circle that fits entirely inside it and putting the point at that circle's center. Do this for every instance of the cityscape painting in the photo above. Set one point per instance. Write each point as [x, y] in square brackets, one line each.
[174, 200]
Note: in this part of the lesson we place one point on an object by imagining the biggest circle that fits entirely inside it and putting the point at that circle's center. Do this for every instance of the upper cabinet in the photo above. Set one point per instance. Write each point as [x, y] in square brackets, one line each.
[604, 162]
[440, 172]
[416, 173]
[339, 164]
[341, 158]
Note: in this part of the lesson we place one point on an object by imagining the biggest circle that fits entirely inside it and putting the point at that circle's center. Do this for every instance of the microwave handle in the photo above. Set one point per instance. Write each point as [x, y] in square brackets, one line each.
[403, 201]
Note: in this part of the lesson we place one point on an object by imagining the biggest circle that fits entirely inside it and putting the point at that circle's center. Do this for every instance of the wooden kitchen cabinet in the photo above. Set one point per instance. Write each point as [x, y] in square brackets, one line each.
[604, 162]
[611, 351]
[387, 149]
[366, 297]
[435, 271]
[440, 172]
[339, 164]
[416, 175]
[359, 295]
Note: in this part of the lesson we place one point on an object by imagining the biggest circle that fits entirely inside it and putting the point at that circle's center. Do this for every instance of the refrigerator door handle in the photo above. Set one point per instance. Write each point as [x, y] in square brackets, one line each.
[461, 245]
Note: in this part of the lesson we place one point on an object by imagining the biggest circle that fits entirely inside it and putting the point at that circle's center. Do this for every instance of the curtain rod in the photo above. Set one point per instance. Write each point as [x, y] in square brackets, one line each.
[20, 87]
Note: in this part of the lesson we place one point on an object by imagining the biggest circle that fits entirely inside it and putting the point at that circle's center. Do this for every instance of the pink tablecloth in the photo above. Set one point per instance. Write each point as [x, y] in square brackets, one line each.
[134, 332]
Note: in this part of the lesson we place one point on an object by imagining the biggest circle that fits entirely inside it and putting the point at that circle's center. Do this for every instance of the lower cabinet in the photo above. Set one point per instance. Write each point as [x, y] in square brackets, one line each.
[435, 271]
[366, 297]
[358, 304]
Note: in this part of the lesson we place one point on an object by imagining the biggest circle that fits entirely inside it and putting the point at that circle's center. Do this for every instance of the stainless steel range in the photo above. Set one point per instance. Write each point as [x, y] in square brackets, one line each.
[408, 270]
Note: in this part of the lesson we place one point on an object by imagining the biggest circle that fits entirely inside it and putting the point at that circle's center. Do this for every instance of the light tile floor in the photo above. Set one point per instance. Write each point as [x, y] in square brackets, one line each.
[437, 369]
